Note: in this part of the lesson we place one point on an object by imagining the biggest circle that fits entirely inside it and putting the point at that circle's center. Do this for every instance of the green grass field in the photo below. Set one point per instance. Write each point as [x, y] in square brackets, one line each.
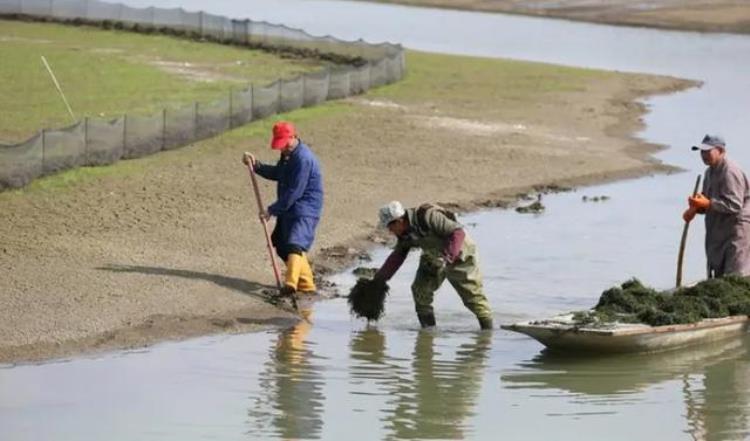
[109, 73]
[485, 86]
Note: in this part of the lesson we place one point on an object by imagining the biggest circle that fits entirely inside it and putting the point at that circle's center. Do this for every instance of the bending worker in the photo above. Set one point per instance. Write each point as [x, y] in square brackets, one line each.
[298, 206]
[725, 200]
[447, 252]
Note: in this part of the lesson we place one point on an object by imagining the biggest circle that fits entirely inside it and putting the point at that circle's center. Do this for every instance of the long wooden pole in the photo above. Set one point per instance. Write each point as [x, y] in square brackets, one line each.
[261, 210]
[683, 240]
[269, 244]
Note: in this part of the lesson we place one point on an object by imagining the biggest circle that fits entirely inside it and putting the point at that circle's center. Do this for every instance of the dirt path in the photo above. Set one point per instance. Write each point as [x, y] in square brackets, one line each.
[168, 246]
[697, 15]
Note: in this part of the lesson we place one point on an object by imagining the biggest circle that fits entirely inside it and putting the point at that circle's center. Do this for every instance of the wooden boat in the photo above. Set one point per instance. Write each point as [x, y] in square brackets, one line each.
[561, 333]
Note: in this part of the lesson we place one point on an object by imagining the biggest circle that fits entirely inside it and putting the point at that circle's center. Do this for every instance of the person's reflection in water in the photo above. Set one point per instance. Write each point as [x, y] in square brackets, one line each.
[715, 382]
[368, 347]
[442, 391]
[719, 409]
[293, 398]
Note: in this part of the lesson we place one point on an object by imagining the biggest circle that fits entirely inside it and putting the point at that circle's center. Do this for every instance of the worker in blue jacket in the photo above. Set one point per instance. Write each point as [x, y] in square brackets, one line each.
[298, 206]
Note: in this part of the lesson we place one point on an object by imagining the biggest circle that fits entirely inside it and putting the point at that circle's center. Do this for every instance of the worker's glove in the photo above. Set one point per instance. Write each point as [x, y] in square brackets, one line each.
[699, 203]
[688, 215]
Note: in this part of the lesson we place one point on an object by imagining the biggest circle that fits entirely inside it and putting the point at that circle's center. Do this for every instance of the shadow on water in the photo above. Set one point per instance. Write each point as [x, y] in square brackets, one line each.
[714, 382]
[243, 286]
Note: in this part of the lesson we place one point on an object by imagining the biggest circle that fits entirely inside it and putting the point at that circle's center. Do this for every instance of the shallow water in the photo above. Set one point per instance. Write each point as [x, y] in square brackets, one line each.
[340, 380]
[337, 379]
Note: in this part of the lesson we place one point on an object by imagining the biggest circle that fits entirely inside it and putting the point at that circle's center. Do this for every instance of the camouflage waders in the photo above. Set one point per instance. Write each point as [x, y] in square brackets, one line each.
[463, 275]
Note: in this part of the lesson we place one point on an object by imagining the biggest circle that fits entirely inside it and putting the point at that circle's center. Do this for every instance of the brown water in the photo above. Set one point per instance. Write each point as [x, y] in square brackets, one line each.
[338, 379]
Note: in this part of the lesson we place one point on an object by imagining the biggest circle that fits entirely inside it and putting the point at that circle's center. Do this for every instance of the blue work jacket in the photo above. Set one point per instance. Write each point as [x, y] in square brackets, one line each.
[299, 188]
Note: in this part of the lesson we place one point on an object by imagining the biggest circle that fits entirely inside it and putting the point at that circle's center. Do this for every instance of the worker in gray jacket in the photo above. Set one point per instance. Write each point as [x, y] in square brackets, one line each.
[725, 201]
[447, 253]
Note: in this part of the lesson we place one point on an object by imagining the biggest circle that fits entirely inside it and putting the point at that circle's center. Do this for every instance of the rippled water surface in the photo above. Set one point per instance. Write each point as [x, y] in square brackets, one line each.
[338, 379]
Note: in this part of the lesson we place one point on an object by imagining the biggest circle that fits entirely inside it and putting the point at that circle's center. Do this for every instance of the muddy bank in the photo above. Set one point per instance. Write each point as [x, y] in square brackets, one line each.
[697, 15]
[169, 246]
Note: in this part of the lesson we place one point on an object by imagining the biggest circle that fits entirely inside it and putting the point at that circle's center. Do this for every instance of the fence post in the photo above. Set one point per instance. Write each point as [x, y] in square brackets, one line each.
[195, 121]
[230, 108]
[252, 106]
[278, 102]
[328, 82]
[304, 89]
[124, 134]
[44, 149]
[86, 139]
[164, 128]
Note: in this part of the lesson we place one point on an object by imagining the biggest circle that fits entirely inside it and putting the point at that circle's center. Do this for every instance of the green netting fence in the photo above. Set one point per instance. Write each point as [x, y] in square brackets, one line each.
[95, 141]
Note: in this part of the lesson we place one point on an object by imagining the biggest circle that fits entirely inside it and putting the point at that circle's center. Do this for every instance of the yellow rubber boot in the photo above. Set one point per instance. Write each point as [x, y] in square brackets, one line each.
[306, 281]
[294, 265]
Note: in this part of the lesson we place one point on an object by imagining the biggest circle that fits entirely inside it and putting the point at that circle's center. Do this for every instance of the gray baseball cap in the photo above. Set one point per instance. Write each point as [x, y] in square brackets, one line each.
[709, 142]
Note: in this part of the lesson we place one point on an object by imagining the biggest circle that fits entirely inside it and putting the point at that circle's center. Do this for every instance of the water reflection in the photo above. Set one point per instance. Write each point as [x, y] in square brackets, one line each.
[290, 406]
[717, 407]
[434, 391]
[714, 382]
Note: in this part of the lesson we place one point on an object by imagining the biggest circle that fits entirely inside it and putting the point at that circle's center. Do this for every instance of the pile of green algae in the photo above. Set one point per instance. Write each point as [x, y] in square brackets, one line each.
[634, 303]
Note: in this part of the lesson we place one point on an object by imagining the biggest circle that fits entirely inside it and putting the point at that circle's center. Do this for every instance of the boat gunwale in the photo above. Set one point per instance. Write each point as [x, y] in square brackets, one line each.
[637, 329]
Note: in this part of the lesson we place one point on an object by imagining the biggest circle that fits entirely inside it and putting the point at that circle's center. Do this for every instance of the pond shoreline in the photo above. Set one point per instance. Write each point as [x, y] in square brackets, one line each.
[691, 15]
[169, 247]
